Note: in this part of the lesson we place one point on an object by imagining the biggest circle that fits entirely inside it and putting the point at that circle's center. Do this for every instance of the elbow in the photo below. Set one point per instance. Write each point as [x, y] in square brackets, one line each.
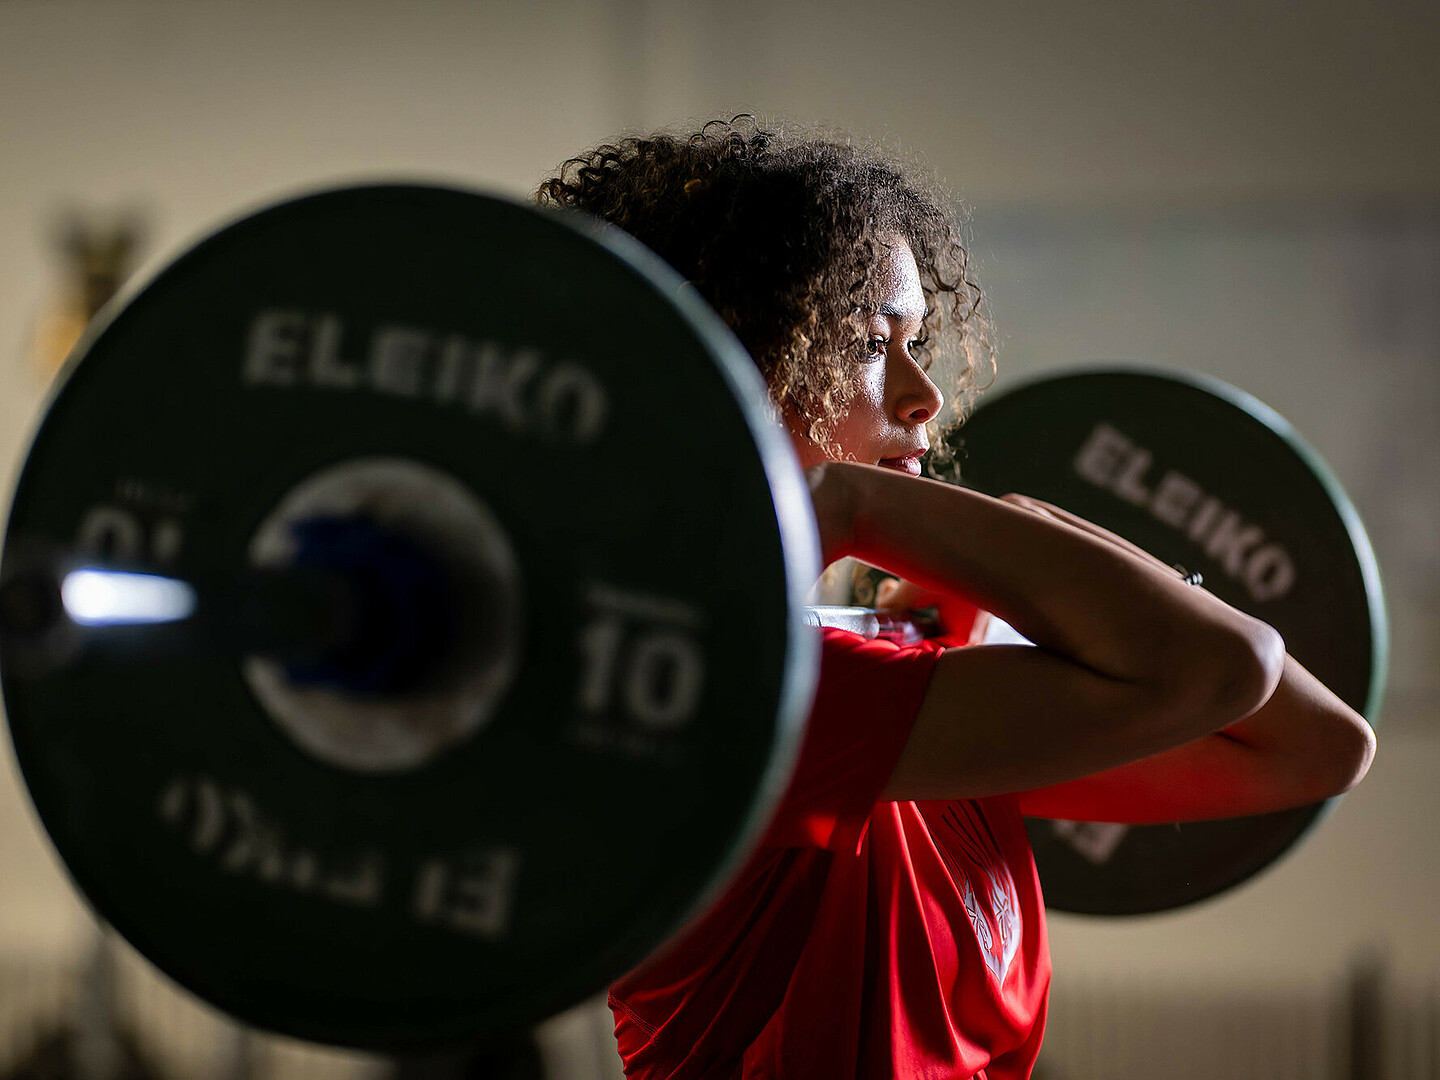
[1349, 756]
[1330, 764]
[1255, 665]
[1224, 674]
[1308, 744]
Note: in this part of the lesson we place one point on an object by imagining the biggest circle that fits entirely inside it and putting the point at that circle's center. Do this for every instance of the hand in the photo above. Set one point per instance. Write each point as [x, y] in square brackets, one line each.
[959, 619]
[1055, 513]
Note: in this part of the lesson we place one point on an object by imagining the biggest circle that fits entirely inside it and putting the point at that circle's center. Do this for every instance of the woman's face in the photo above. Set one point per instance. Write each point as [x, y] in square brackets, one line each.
[894, 398]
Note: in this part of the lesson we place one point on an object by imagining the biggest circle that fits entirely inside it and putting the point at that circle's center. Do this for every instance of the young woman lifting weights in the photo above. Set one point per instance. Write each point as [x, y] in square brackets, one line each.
[890, 924]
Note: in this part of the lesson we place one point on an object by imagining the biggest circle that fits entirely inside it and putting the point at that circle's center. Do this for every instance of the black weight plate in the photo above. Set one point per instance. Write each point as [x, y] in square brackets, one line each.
[526, 867]
[1210, 479]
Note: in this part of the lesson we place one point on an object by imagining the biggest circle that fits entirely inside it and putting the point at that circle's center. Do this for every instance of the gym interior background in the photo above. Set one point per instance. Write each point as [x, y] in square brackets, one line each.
[1245, 189]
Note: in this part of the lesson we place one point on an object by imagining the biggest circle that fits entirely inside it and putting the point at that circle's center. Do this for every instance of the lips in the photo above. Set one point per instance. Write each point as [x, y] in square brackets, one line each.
[910, 463]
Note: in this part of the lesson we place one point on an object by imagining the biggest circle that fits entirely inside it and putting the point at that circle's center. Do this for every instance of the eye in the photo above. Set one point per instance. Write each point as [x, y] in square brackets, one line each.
[916, 346]
[875, 346]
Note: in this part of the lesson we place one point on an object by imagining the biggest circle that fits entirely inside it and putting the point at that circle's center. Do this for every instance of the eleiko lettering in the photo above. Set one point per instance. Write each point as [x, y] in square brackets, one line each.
[1112, 461]
[519, 388]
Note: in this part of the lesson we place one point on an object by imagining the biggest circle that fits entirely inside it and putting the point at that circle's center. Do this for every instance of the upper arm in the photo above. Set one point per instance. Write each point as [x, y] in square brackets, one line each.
[868, 695]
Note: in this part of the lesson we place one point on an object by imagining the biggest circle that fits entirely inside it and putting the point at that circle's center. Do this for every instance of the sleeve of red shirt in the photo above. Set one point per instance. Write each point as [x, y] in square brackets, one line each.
[869, 693]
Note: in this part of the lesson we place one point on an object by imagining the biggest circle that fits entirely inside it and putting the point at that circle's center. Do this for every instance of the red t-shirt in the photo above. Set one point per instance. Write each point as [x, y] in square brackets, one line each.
[862, 939]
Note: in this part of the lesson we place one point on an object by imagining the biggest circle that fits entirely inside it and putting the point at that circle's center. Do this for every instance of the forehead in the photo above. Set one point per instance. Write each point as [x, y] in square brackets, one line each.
[896, 281]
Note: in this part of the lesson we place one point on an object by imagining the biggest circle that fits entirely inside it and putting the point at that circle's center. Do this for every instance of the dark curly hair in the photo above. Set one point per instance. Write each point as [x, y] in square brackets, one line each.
[781, 231]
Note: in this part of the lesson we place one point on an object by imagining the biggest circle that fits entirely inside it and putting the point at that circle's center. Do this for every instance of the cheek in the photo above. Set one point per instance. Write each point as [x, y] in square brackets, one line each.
[866, 415]
[856, 430]
[870, 389]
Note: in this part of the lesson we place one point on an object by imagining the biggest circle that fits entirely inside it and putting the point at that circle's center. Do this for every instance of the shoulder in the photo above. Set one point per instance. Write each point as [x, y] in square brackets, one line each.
[871, 681]
[868, 696]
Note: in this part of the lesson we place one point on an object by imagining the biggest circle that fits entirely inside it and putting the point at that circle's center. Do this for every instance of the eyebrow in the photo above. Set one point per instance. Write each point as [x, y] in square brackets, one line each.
[891, 311]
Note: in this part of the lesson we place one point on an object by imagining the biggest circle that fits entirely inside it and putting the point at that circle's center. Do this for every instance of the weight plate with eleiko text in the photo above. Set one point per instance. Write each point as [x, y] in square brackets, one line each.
[1211, 480]
[540, 394]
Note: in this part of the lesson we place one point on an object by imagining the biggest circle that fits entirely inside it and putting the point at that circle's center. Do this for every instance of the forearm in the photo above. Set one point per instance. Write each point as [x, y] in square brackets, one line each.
[1301, 746]
[1088, 600]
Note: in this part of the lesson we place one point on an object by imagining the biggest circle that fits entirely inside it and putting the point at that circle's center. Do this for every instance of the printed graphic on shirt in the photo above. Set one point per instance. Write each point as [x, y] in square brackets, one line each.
[994, 911]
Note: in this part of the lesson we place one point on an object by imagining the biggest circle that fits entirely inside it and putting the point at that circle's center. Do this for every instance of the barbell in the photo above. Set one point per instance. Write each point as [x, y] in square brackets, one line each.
[403, 617]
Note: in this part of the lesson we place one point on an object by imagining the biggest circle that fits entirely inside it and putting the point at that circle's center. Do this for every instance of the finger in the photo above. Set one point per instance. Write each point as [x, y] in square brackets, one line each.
[1035, 506]
[896, 594]
[1060, 514]
[1105, 534]
[886, 591]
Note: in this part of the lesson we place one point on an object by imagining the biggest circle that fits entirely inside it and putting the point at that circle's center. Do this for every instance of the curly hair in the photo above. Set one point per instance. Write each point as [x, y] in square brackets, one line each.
[781, 232]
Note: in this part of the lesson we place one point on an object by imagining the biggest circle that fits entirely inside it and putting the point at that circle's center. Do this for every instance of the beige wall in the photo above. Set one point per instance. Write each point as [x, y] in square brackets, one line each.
[1110, 100]
[1048, 117]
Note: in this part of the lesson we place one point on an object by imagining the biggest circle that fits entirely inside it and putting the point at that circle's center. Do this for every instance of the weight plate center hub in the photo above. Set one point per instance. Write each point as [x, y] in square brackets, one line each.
[438, 556]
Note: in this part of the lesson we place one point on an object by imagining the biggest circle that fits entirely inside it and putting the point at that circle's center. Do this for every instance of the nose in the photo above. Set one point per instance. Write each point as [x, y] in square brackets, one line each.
[917, 400]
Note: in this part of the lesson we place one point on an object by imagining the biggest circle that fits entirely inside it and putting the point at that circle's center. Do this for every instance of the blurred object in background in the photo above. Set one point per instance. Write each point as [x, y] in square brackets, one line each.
[114, 1017]
[98, 251]
[72, 1031]
[109, 1015]
[1367, 1024]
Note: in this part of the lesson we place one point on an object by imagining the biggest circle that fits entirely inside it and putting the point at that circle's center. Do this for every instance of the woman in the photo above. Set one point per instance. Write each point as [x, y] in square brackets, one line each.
[890, 923]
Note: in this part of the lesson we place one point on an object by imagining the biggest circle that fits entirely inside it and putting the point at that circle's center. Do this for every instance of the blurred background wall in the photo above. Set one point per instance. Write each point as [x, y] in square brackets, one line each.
[1246, 189]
